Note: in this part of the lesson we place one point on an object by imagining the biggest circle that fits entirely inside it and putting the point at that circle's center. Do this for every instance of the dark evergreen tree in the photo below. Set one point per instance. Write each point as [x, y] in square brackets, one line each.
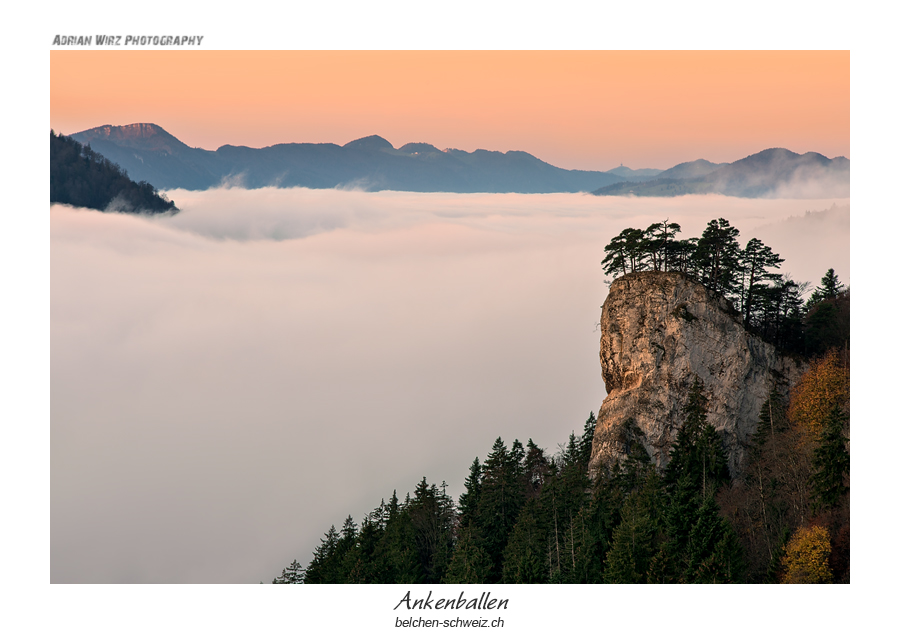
[830, 288]
[324, 567]
[292, 574]
[827, 324]
[525, 558]
[697, 454]
[592, 537]
[718, 257]
[469, 499]
[616, 260]
[563, 498]
[398, 551]
[470, 562]
[502, 496]
[431, 515]
[780, 314]
[681, 255]
[345, 557]
[536, 469]
[659, 238]
[670, 563]
[517, 462]
[586, 443]
[831, 461]
[714, 554]
[755, 261]
[627, 252]
[635, 540]
[362, 564]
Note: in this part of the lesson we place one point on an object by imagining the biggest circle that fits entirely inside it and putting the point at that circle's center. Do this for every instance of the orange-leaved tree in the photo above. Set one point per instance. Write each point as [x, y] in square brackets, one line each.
[806, 555]
[825, 385]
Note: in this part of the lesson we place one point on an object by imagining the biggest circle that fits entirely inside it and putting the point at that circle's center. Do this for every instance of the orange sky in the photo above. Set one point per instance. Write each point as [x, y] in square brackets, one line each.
[574, 109]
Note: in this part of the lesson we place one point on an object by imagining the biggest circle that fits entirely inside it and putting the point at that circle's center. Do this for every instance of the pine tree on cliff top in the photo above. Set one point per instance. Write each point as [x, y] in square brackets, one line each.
[718, 255]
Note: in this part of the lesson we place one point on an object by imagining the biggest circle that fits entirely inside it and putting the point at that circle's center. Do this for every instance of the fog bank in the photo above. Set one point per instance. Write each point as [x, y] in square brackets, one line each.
[228, 382]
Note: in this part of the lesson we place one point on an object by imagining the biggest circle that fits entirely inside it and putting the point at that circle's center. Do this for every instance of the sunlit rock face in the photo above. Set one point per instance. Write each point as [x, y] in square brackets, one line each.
[659, 331]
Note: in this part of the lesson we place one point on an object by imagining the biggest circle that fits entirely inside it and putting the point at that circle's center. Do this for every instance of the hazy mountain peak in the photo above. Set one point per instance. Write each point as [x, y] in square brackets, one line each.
[372, 142]
[691, 169]
[418, 148]
[772, 173]
[775, 151]
[628, 173]
[147, 135]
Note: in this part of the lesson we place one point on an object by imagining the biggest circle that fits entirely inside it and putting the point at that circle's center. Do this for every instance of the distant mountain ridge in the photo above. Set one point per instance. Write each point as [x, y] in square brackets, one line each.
[635, 175]
[150, 153]
[772, 173]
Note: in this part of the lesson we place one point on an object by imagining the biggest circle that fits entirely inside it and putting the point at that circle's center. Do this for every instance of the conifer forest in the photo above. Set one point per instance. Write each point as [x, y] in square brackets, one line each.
[529, 515]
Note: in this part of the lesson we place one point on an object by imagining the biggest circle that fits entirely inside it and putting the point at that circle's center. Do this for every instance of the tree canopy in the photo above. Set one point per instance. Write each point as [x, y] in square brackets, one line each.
[770, 303]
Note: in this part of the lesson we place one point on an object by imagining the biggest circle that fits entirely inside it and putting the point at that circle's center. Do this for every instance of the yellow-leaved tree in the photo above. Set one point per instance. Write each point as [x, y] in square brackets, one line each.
[806, 555]
[825, 385]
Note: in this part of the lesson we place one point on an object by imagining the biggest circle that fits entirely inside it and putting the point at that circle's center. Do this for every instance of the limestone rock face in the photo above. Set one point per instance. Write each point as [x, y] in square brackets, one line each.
[659, 331]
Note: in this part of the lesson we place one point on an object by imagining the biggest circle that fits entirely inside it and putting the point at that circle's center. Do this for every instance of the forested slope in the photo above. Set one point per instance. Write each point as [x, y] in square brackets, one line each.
[82, 178]
[530, 517]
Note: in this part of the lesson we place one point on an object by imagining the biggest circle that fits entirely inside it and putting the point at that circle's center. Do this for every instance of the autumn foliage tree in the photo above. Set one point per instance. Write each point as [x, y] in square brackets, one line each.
[806, 556]
[825, 385]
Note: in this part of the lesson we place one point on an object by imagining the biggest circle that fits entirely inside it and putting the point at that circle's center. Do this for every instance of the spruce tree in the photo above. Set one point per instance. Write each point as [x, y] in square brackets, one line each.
[586, 443]
[670, 564]
[830, 288]
[292, 574]
[363, 564]
[697, 452]
[468, 500]
[431, 515]
[831, 460]
[536, 469]
[525, 556]
[470, 563]
[714, 554]
[635, 540]
[397, 551]
[324, 568]
[502, 496]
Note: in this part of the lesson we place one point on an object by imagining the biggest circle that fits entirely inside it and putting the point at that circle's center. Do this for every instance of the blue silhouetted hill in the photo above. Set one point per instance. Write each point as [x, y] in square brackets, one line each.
[371, 163]
[83, 178]
[772, 173]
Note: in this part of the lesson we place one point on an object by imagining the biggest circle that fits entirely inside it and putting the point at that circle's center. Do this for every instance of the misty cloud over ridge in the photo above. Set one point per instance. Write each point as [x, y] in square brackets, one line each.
[228, 382]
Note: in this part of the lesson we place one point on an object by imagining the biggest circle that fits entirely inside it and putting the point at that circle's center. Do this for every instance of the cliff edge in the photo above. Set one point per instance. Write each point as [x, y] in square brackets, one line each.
[659, 330]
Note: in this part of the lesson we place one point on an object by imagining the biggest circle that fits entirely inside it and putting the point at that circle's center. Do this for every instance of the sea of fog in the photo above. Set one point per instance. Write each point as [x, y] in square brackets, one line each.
[228, 382]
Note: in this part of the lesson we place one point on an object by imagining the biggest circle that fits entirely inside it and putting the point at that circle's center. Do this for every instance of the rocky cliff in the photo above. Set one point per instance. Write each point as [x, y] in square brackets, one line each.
[659, 331]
